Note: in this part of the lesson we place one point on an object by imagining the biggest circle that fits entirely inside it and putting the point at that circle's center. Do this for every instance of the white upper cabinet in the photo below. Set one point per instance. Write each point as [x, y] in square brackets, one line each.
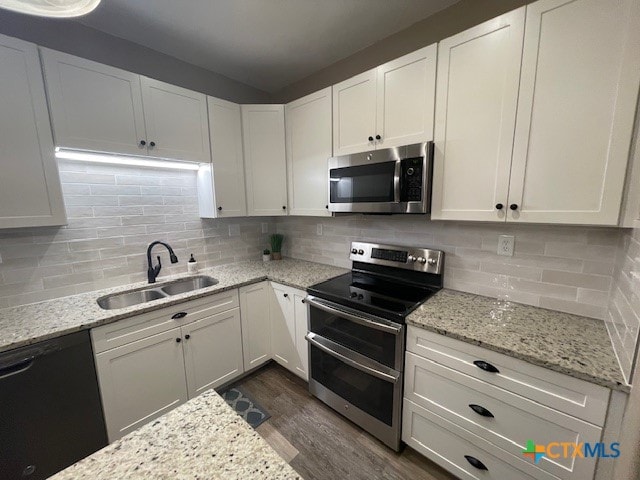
[354, 114]
[176, 121]
[578, 92]
[406, 98]
[477, 97]
[94, 106]
[100, 108]
[388, 106]
[30, 193]
[227, 160]
[308, 135]
[265, 159]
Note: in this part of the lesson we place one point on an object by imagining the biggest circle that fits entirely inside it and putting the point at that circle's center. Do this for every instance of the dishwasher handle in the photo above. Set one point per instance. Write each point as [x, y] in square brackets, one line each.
[16, 367]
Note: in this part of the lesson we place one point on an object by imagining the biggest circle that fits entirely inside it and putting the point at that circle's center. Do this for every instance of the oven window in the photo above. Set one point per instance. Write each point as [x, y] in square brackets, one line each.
[375, 344]
[368, 393]
[364, 183]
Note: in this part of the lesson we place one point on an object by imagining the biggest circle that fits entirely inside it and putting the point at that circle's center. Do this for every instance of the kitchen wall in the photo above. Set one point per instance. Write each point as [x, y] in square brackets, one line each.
[623, 315]
[114, 213]
[562, 268]
[454, 19]
[72, 37]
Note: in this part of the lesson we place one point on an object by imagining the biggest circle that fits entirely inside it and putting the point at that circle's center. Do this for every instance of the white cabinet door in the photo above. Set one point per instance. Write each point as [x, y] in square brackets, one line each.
[141, 381]
[301, 326]
[575, 111]
[176, 121]
[212, 351]
[282, 313]
[227, 160]
[94, 106]
[265, 159]
[256, 326]
[476, 100]
[308, 132]
[354, 114]
[406, 90]
[30, 193]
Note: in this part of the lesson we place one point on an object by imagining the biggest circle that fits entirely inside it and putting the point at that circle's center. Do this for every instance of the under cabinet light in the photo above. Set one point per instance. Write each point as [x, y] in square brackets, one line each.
[123, 160]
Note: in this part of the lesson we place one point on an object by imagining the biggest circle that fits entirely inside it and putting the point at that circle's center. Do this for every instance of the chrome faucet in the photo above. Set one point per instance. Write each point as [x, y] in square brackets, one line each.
[153, 271]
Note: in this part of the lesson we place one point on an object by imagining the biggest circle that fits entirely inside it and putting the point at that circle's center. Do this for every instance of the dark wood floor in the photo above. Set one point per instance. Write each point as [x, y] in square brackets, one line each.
[320, 444]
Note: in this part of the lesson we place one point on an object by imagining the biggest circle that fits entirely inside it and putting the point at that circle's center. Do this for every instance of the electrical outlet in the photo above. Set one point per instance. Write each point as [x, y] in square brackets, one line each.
[265, 228]
[234, 230]
[319, 229]
[505, 245]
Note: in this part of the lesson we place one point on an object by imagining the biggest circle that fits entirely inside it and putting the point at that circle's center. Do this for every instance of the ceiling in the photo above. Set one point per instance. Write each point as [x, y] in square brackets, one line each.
[267, 44]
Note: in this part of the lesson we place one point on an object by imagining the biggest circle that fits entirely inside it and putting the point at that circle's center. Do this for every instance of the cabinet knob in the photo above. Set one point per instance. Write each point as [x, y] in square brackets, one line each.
[326, 206]
[286, 295]
[371, 139]
[284, 207]
[499, 206]
[480, 410]
[219, 209]
[475, 462]
[143, 143]
[513, 206]
[152, 144]
[187, 337]
[378, 137]
[302, 300]
[178, 340]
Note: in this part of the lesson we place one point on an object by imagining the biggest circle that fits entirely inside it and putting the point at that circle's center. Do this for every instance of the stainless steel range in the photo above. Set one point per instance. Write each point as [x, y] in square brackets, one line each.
[357, 332]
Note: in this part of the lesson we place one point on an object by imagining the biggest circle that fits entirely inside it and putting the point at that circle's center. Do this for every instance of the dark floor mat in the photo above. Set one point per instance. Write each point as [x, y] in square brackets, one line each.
[246, 407]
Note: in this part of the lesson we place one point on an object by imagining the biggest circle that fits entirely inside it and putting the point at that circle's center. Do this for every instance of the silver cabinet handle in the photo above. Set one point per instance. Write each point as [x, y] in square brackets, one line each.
[345, 355]
[379, 324]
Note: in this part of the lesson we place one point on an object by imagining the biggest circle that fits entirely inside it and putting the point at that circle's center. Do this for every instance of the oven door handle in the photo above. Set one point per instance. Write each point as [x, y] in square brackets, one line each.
[345, 355]
[385, 327]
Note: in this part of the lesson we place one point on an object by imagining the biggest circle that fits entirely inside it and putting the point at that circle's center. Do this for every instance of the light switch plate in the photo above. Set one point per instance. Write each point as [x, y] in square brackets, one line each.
[505, 245]
[319, 229]
[265, 228]
[234, 230]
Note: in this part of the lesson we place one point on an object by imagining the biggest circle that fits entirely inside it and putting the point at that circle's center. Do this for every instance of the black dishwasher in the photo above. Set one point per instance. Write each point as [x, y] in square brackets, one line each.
[50, 409]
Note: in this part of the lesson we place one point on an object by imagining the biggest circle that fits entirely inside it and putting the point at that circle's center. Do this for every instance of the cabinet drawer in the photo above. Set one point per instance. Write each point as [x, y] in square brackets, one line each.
[508, 420]
[141, 326]
[561, 392]
[448, 445]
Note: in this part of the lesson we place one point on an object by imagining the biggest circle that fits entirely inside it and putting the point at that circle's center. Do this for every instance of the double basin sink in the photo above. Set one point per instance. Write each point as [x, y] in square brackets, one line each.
[147, 294]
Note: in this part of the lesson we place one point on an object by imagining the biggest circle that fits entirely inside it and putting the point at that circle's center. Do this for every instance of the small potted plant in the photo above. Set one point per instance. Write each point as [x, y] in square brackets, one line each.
[276, 246]
[266, 255]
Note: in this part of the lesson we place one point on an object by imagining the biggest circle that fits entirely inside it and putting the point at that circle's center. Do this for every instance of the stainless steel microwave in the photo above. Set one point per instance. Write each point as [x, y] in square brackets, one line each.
[393, 180]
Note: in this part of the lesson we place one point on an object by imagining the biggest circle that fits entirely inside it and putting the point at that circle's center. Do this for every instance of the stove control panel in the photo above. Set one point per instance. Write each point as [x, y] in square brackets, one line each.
[410, 258]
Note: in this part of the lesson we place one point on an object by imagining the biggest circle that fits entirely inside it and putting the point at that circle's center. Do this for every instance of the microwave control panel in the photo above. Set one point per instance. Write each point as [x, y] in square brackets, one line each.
[411, 179]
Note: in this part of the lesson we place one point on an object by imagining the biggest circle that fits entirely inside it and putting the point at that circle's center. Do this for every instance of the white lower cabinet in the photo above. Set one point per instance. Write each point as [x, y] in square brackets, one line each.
[256, 327]
[178, 353]
[288, 328]
[141, 381]
[454, 409]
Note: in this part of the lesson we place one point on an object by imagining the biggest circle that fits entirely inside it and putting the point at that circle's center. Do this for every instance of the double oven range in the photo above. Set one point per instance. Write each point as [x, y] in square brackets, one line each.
[356, 333]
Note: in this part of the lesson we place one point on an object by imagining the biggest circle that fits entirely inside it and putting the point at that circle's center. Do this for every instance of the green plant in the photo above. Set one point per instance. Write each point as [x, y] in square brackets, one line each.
[266, 252]
[276, 242]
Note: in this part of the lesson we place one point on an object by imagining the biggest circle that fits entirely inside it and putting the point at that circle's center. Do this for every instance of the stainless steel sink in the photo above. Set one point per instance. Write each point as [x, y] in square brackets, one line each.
[189, 284]
[136, 297]
[128, 299]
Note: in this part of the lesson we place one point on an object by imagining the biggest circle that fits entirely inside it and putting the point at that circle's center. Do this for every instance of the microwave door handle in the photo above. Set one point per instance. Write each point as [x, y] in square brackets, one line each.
[344, 356]
[396, 181]
[394, 329]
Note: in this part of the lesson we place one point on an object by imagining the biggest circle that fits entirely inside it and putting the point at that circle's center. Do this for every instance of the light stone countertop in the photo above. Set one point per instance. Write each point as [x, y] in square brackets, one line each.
[36, 322]
[202, 439]
[570, 344]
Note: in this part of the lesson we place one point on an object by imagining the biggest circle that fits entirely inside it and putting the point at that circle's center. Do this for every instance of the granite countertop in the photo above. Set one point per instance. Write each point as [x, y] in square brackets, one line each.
[35, 322]
[202, 439]
[570, 344]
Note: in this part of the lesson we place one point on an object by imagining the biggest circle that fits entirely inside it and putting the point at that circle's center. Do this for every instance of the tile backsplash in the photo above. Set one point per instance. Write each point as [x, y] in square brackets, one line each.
[113, 214]
[623, 316]
[562, 268]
